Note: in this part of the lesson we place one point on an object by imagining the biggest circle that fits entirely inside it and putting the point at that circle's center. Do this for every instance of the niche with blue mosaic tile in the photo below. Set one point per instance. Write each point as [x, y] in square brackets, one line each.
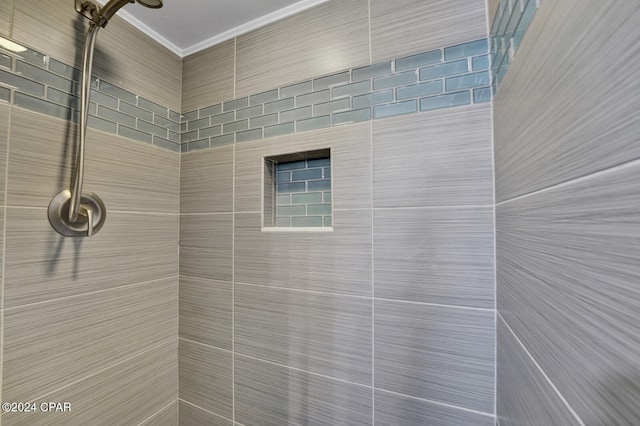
[297, 190]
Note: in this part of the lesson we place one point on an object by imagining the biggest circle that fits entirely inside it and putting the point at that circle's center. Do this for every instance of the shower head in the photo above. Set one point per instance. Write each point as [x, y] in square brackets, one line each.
[102, 15]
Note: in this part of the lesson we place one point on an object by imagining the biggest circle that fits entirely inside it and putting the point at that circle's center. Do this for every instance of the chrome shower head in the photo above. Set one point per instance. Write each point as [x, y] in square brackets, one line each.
[102, 15]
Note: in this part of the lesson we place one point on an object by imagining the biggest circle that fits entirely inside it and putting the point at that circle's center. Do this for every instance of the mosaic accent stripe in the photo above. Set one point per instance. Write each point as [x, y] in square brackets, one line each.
[40, 83]
[509, 26]
[441, 78]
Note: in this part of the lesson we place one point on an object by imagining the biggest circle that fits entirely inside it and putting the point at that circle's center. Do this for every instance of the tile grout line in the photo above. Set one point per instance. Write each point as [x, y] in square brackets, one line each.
[495, 260]
[541, 371]
[373, 281]
[204, 409]
[90, 293]
[443, 404]
[4, 252]
[157, 412]
[577, 180]
[178, 298]
[233, 280]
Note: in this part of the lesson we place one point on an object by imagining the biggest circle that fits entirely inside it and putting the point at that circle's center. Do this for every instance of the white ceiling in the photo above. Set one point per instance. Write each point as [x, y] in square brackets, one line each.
[187, 26]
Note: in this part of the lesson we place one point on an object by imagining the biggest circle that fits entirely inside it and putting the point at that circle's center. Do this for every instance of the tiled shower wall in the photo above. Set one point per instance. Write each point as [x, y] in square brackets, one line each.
[388, 318]
[88, 321]
[567, 158]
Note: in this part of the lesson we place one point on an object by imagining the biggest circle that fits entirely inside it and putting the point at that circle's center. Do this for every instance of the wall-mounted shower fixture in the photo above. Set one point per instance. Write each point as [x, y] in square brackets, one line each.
[72, 213]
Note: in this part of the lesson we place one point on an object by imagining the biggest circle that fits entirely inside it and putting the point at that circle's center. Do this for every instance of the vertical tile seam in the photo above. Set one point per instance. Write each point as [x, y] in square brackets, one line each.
[4, 251]
[373, 288]
[495, 269]
[541, 371]
[233, 280]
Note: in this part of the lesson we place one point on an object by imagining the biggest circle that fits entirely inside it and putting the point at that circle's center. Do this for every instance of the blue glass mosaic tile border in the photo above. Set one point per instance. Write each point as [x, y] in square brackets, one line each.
[37, 82]
[509, 26]
[442, 78]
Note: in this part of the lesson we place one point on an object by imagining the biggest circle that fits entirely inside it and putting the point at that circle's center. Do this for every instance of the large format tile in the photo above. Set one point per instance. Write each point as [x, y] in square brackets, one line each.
[442, 255]
[191, 415]
[53, 344]
[6, 8]
[41, 264]
[399, 28]
[131, 175]
[206, 377]
[350, 164]
[401, 410]
[4, 139]
[123, 394]
[321, 333]
[338, 261]
[330, 37]
[206, 311]
[206, 246]
[53, 28]
[168, 416]
[268, 394]
[206, 181]
[556, 120]
[41, 162]
[435, 158]
[568, 268]
[208, 76]
[437, 353]
[524, 397]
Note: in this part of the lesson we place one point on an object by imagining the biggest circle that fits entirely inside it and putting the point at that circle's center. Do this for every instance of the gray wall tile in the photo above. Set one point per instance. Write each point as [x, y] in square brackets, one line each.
[401, 410]
[330, 37]
[524, 396]
[337, 262]
[411, 338]
[295, 114]
[5, 16]
[37, 258]
[279, 130]
[4, 139]
[193, 415]
[457, 21]
[543, 136]
[205, 375]
[206, 242]
[42, 107]
[296, 89]
[168, 416]
[126, 393]
[567, 272]
[411, 174]
[372, 99]
[205, 311]
[352, 116]
[442, 255]
[206, 181]
[269, 394]
[207, 76]
[327, 81]
[95, 331]
[285, 326]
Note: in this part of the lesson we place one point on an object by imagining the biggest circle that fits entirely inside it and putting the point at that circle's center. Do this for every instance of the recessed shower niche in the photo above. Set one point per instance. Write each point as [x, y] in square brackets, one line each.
[297, 191]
